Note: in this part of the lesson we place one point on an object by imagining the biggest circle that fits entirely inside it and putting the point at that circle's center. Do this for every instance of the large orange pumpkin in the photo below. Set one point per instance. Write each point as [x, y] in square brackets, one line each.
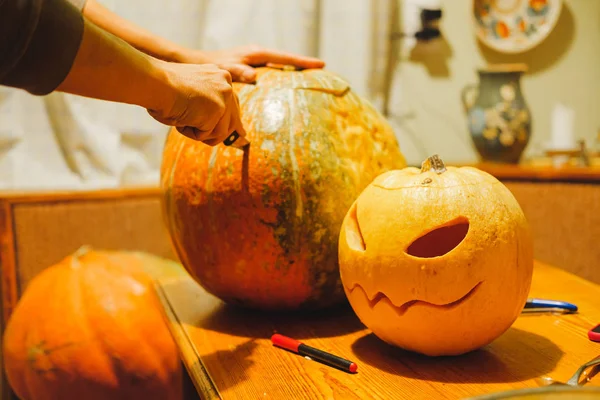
[90, 327]
[438, 260]
[259, 227]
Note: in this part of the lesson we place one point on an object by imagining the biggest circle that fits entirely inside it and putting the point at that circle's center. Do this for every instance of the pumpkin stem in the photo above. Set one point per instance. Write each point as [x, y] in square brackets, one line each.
[434, 163]
[80, 252]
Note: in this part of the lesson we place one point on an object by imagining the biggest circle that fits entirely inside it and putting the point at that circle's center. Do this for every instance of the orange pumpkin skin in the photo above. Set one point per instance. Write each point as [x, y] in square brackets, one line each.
[437, 261]
[259, 227]
[90, 327]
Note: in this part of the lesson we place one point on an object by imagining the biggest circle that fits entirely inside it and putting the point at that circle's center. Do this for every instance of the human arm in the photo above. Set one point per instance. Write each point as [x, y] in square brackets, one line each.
[198, 99]
[238, 61]
[135, 35]
[46, 45]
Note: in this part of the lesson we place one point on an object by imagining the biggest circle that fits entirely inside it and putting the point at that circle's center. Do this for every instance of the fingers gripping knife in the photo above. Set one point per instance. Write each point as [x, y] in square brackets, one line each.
[235, 140]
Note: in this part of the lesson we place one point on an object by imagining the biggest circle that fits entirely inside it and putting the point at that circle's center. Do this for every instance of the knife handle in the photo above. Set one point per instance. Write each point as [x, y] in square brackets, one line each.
[545, 303]
[236, 140]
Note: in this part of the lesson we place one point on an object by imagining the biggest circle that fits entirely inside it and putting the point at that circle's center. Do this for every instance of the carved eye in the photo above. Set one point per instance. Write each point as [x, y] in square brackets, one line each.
[440, 240]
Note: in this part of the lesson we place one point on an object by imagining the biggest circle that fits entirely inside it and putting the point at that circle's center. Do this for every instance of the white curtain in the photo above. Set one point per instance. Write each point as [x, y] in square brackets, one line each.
[69, 142]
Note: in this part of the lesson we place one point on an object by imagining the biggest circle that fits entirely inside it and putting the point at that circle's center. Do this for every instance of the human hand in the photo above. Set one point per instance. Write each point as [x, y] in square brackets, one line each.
[200, 102]
[239, 61]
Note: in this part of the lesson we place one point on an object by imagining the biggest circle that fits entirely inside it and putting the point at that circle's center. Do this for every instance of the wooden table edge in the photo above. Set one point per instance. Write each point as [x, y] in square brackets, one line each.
[200, 376]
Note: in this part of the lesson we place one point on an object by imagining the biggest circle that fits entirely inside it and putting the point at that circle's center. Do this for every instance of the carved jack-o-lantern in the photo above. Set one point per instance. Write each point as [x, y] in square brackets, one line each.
[437, 261]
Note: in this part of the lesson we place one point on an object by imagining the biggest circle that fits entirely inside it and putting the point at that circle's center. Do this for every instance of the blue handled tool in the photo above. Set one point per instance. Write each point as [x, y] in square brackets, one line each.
[534, 305]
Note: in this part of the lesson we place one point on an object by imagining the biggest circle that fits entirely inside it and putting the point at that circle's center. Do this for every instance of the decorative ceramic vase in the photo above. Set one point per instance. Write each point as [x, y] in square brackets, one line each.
[498, 117]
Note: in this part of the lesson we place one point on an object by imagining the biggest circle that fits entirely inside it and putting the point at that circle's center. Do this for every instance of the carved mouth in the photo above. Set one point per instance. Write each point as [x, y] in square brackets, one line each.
[403, 308]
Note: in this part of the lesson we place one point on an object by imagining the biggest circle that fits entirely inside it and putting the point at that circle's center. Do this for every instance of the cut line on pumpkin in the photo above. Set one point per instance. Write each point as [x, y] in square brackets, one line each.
[435, 185]
[334, 92]
[403, 308]
[354, 237]
[440, 240]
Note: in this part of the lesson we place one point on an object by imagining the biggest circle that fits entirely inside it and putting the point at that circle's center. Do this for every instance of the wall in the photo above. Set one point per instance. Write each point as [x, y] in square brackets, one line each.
[69, 142]
[426, 109]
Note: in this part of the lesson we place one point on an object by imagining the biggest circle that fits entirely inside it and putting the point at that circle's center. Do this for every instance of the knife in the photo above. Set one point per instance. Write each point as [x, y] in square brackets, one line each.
[237, 141]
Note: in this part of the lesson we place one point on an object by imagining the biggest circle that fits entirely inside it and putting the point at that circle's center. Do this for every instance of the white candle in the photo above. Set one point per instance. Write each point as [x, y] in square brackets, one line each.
[562, 135]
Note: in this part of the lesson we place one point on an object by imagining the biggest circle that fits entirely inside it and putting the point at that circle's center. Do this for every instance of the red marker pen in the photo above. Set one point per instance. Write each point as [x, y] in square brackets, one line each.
[305, 350]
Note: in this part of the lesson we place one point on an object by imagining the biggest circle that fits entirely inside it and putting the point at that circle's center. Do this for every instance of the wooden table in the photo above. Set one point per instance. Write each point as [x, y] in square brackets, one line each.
[228, 352]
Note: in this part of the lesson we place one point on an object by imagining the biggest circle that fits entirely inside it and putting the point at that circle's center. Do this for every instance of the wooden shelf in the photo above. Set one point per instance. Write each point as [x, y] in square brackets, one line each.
[541, 172]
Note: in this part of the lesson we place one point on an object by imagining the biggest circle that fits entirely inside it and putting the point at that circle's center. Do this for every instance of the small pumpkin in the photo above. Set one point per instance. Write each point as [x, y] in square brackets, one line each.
[90, 327]
[438, 260]
[259, 227]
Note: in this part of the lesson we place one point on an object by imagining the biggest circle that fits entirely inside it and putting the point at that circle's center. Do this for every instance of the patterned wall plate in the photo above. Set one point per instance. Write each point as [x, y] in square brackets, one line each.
[515, 26]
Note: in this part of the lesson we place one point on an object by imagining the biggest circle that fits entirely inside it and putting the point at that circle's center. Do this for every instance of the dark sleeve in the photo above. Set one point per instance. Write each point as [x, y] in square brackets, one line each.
[39, 40]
